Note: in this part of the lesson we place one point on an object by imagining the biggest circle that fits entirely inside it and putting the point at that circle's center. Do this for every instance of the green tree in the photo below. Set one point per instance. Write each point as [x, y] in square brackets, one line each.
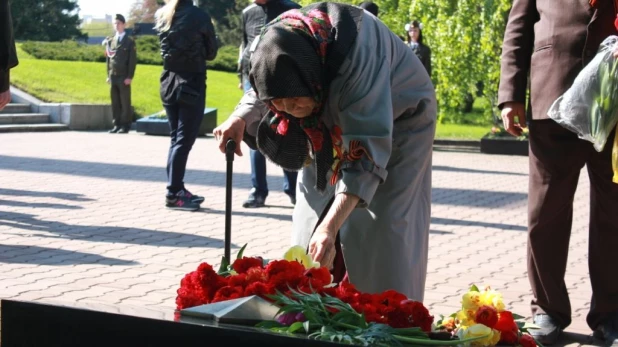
[465, 37]
[46, 20]
[226, 16]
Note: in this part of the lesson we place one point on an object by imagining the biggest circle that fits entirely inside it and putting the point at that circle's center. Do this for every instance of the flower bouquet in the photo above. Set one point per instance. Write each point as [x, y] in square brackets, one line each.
[483, 314]
[309, 303]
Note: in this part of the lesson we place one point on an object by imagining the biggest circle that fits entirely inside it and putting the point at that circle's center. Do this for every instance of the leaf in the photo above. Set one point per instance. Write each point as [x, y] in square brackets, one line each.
[269, 324]
[225, 263]
[307, 326]
[517, 317]
[242, 250]
[295, 327]
[474, 288]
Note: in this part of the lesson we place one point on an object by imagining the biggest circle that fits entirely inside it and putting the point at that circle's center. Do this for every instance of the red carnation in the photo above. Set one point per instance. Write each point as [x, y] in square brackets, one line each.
[283, 274]
[228, 293]
[241, 266]
[527, 341]
[507, 327]
[419, 314]
[616, 23]
[346, 291]
[321, 274]
[390, 298]
[487, 316]
[256, 274]
[239, 280]
[259, 288]
[207, 280]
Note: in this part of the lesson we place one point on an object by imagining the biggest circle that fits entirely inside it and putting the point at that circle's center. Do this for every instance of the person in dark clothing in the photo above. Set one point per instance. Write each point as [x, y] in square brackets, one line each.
[188, 40]
[254, 17]
[8, 57]
[121, 62]
[415, 41]
[370, 7]
[546, 45]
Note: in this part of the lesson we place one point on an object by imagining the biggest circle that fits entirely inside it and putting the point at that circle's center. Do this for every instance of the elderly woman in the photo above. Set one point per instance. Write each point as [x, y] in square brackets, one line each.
[341, 97]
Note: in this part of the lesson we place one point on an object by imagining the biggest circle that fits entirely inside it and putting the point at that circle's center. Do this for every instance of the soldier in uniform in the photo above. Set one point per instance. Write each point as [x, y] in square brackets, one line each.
[121, 61]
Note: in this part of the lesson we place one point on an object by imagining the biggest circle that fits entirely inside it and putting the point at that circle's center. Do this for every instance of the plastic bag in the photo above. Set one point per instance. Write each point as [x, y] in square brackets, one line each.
[590, 107]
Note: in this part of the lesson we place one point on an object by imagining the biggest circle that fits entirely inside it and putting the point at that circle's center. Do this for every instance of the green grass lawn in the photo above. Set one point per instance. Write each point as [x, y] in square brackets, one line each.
[84, 82]
[461, 131]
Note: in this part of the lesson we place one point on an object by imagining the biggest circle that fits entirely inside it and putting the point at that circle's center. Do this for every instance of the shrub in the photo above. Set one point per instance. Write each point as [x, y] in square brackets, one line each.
[147, 52]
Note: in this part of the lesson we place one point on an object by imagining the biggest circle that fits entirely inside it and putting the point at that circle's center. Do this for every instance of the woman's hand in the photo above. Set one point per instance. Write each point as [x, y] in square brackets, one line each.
[233, 128]
[322, 246]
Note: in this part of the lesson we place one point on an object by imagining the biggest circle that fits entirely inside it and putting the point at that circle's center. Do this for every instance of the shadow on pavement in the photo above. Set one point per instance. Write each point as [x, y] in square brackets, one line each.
[485, 172]
[108, 234]
[21, 254]
[57, 195]
[449, 221]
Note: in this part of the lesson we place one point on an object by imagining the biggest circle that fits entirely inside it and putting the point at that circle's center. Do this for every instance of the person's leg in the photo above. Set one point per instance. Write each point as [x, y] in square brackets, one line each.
[125, 103]
[172, 118]
[259, 190]
[289, 184]
[189, 120]
[116, 104]
[556, 158]
[603, 237]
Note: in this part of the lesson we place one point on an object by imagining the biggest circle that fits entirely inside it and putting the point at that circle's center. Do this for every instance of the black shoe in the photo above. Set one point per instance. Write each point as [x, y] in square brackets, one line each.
[254, 201]
[549, 331]
[608, 331]
[293, 200]
[180, 202]
[123, 130]
[114, 130]
[195, 198]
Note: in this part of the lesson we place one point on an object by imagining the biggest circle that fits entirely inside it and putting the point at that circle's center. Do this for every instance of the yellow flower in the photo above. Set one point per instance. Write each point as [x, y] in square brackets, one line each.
[299, 254]
[492, 298]
[465, 318]
[491, 336]
[471, 301]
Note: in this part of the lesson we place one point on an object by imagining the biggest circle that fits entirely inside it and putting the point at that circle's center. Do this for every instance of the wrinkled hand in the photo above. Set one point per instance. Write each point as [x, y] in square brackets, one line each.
[5, 98]
[240, 86]
[233, 128]
[127, 82]
[322, 246]
[509, 112]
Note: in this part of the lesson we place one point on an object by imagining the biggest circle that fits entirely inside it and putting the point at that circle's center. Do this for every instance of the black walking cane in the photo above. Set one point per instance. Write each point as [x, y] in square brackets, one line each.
[230, 148]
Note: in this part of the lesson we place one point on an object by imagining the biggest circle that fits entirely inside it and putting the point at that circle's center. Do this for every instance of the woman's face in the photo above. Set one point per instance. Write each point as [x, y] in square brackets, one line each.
[299, 107]
[414, 33]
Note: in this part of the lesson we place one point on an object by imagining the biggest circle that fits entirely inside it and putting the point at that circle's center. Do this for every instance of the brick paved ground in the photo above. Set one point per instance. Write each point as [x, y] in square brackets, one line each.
[82, 219]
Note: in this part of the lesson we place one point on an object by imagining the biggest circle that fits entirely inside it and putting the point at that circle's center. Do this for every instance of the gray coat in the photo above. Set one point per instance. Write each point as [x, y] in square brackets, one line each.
[383, 97]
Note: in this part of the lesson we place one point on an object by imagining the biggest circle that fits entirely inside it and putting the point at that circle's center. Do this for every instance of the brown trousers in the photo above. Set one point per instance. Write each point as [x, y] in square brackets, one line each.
[556, 159]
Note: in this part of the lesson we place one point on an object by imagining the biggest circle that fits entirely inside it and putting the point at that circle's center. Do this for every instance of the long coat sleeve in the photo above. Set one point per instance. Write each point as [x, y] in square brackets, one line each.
[516, 51]
[8, 56]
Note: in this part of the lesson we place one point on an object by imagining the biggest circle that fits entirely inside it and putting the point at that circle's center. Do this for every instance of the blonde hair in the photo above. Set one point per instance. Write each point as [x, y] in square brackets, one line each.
[165, 15]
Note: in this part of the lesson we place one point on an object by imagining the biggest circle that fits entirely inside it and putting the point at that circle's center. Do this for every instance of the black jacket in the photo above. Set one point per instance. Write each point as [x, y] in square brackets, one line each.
[8, 57]
[254, 17]
[424, 54]
[190, 41]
